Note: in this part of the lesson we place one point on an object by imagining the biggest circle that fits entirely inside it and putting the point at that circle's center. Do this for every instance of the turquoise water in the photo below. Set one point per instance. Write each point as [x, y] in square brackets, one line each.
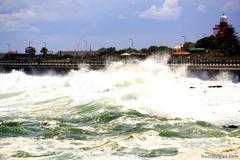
[127, 111]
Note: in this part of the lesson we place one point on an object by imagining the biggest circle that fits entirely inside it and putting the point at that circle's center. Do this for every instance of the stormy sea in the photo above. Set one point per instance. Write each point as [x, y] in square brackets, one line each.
[129, 110]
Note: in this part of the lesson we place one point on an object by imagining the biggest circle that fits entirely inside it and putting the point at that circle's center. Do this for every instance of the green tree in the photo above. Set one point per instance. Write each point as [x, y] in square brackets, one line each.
[103, 52]
[44, 51]
[189, 45]
[144, 50]
[228, 42]
[159, 49]
[164, 49]
[31, 51]
[153, 49]
[207, 43]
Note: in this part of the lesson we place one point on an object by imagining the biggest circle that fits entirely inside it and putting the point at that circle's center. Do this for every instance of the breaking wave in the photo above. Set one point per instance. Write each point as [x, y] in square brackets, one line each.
[138, 109]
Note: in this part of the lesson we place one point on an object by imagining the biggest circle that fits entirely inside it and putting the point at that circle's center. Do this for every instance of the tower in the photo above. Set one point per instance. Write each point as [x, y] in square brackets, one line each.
[218, 30]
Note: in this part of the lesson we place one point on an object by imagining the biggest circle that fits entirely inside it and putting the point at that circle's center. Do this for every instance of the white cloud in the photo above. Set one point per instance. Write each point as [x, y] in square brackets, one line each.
[169, 10]
[10, 22]
[202, 8]
[7, 25]
[21, 16]
[232, 5]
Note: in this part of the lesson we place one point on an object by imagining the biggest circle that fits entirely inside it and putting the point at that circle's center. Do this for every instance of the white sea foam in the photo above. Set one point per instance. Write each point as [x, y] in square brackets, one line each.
[149, 86]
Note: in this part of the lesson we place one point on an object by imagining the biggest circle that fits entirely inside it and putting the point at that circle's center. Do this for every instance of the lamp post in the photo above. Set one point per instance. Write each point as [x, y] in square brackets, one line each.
[90, 47]
[8, 47]
[85, 44]
[184, 38]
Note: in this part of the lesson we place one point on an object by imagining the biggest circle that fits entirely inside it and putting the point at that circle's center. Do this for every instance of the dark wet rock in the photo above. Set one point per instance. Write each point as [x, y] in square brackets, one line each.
[231, 126]
[216, 86]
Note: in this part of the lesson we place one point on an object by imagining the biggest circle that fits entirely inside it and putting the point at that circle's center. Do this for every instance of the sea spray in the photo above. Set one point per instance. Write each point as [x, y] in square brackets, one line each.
[148, 86]
[138, 109]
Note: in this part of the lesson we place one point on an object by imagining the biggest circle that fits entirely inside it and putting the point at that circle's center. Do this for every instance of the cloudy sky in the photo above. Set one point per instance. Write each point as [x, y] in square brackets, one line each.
[65, 24]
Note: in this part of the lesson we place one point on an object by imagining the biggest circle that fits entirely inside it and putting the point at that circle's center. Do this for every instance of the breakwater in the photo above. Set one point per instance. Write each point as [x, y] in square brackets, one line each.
[210, 68]
[139, 110]
[60, 66]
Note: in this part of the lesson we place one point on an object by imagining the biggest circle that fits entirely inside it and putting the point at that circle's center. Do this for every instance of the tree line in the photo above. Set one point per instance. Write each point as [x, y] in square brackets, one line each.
[227, 43]
[112, 51]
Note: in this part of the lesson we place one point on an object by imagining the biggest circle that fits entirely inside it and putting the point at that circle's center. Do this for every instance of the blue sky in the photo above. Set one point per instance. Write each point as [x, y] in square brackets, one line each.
[63, 24]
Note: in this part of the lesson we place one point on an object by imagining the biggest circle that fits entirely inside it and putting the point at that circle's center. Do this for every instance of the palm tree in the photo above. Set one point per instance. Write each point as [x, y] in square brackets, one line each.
[44, 51]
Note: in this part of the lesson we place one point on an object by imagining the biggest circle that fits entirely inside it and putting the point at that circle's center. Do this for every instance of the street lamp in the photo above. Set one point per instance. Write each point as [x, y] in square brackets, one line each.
[184, 38]
[8, 47]
[85, 44]
[78, 46]
[90, 47]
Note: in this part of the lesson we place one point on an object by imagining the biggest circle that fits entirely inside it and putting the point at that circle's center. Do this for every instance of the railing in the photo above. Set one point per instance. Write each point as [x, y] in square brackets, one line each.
[206, 64]
[52, 63]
